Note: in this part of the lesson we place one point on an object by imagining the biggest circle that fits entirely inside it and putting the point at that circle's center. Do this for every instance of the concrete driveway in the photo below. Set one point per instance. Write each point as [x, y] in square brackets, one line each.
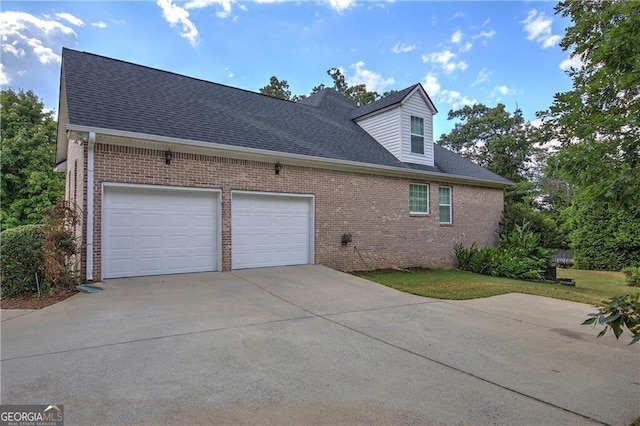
[309, 345]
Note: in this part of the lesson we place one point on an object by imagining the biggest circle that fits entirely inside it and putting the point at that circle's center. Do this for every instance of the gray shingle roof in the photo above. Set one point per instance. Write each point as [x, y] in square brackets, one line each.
[387, 101]
[112, 94]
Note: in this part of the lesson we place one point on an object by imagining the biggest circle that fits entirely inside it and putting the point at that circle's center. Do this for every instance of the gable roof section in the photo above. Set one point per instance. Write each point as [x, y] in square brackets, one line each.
[104, 93]
[389, 101]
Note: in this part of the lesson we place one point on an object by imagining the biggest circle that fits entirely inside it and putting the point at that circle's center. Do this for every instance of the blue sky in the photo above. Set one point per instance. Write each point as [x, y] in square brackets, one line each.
[462, 52]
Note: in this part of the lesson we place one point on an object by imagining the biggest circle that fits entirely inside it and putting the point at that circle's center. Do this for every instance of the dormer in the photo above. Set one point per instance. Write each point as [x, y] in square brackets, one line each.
[402, 123]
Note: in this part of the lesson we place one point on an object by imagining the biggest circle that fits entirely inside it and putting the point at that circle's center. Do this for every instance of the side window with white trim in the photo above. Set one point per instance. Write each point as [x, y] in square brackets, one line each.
[445, 204]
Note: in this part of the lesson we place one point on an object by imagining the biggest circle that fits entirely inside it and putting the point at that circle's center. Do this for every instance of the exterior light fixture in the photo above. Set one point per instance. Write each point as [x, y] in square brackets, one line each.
[277, 168]
[168, 155]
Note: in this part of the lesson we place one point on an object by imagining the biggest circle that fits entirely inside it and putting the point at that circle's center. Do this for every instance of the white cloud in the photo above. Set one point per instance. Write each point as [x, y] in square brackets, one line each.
[467, 46]
[486, 22]
[403, 48]
[99, 24]
[13, 49]
[28, 40]
[456, 37]
[484, 35]
[225, 6]
[340, 5]
[4, 78]
[374, 82]
[176, 15]
[456, 99]
[446, 59]
[70, 19]
[483, 77]
[573, 61]
[538, 27]
[431, 84]
[457, 15]
[229, 73]
[501, 90]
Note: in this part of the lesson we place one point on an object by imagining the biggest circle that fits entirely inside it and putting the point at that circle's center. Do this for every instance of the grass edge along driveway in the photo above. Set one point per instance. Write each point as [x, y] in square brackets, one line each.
[591, 286]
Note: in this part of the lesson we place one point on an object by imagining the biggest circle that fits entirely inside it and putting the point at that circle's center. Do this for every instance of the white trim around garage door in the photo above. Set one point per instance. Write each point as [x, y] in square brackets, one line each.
[310, 198]
[217, 193]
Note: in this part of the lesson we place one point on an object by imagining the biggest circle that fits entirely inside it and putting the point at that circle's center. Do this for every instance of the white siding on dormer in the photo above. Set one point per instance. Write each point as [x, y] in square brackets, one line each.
[385, 128]
[416, 106]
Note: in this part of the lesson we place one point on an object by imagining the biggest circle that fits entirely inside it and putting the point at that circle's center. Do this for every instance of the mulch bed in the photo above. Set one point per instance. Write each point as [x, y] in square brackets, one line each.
[31, 302]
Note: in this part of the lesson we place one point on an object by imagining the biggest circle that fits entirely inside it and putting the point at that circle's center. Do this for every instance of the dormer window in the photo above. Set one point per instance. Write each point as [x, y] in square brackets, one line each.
[417, 135]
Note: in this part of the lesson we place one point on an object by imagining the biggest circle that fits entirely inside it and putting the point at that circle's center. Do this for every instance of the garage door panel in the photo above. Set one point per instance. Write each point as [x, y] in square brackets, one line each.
[150, 242]
[270, 230]
[151, 231]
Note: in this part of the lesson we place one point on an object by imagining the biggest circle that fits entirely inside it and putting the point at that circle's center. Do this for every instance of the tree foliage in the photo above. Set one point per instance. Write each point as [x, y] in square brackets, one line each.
[524, 203]
[28, 184]
[277, 88]
[492, 138]
[597, 123]
[617, 314]
[358, 93]
[603, 236]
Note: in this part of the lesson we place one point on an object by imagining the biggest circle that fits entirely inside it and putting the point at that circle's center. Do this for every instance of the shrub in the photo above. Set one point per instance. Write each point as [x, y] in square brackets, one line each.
[618, 313]
[604, 237]
[60, 244]
[21, 249]
[632, 275]
[518, 255]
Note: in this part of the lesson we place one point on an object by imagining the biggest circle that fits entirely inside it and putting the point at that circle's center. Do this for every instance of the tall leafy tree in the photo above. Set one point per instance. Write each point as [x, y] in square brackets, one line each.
[493, 138]
[277, 88]
[505, 144]
[597, 123]
[357, 93]
[28, 184]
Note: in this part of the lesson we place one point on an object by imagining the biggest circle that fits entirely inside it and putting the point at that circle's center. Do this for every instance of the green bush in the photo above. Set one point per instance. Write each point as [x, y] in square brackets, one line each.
[21, 250]
[519, 255]
[603, 237]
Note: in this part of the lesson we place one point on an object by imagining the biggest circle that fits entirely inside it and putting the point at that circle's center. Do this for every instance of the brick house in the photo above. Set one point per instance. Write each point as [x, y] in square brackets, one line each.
[175, 174]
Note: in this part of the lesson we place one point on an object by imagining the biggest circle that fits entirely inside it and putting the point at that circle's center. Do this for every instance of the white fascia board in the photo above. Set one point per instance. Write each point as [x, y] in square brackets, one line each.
[257, 154]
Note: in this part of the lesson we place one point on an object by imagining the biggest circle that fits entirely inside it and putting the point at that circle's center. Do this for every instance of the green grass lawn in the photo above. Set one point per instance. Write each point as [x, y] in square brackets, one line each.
[591, 286]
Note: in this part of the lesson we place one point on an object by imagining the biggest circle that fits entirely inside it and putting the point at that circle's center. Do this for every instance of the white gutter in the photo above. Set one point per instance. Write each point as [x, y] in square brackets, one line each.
[90, 150]
[308, 160]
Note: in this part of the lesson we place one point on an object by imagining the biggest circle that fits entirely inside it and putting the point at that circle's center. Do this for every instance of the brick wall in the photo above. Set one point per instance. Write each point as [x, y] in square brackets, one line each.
[373, 208]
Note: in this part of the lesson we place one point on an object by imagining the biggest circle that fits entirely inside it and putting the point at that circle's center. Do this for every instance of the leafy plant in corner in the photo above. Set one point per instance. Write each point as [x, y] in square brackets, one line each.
[60, 244]
[632, 275]
[618, 313]
[518, 255]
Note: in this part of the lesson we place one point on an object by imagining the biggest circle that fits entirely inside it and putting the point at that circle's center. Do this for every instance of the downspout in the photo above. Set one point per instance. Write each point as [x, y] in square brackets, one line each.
[90, 149]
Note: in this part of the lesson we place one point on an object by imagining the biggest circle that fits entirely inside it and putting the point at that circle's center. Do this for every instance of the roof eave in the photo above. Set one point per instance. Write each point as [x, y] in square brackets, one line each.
[293, 159]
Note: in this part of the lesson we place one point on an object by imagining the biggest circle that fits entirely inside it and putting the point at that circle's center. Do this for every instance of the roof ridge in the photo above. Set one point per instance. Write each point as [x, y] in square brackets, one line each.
[171, 73]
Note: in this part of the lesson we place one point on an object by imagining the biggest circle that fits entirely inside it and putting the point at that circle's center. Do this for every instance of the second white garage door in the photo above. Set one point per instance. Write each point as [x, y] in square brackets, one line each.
[271, 230]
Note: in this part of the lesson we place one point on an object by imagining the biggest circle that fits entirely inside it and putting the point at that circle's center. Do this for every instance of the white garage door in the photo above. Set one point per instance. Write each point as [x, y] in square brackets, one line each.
[155, 231]
[270, 230]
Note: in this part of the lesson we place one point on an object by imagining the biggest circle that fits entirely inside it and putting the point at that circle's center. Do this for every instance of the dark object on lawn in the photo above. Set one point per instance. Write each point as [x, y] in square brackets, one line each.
[565, 262]
[550, 273]
[88, 288]
[562, 258]
[566, 281]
